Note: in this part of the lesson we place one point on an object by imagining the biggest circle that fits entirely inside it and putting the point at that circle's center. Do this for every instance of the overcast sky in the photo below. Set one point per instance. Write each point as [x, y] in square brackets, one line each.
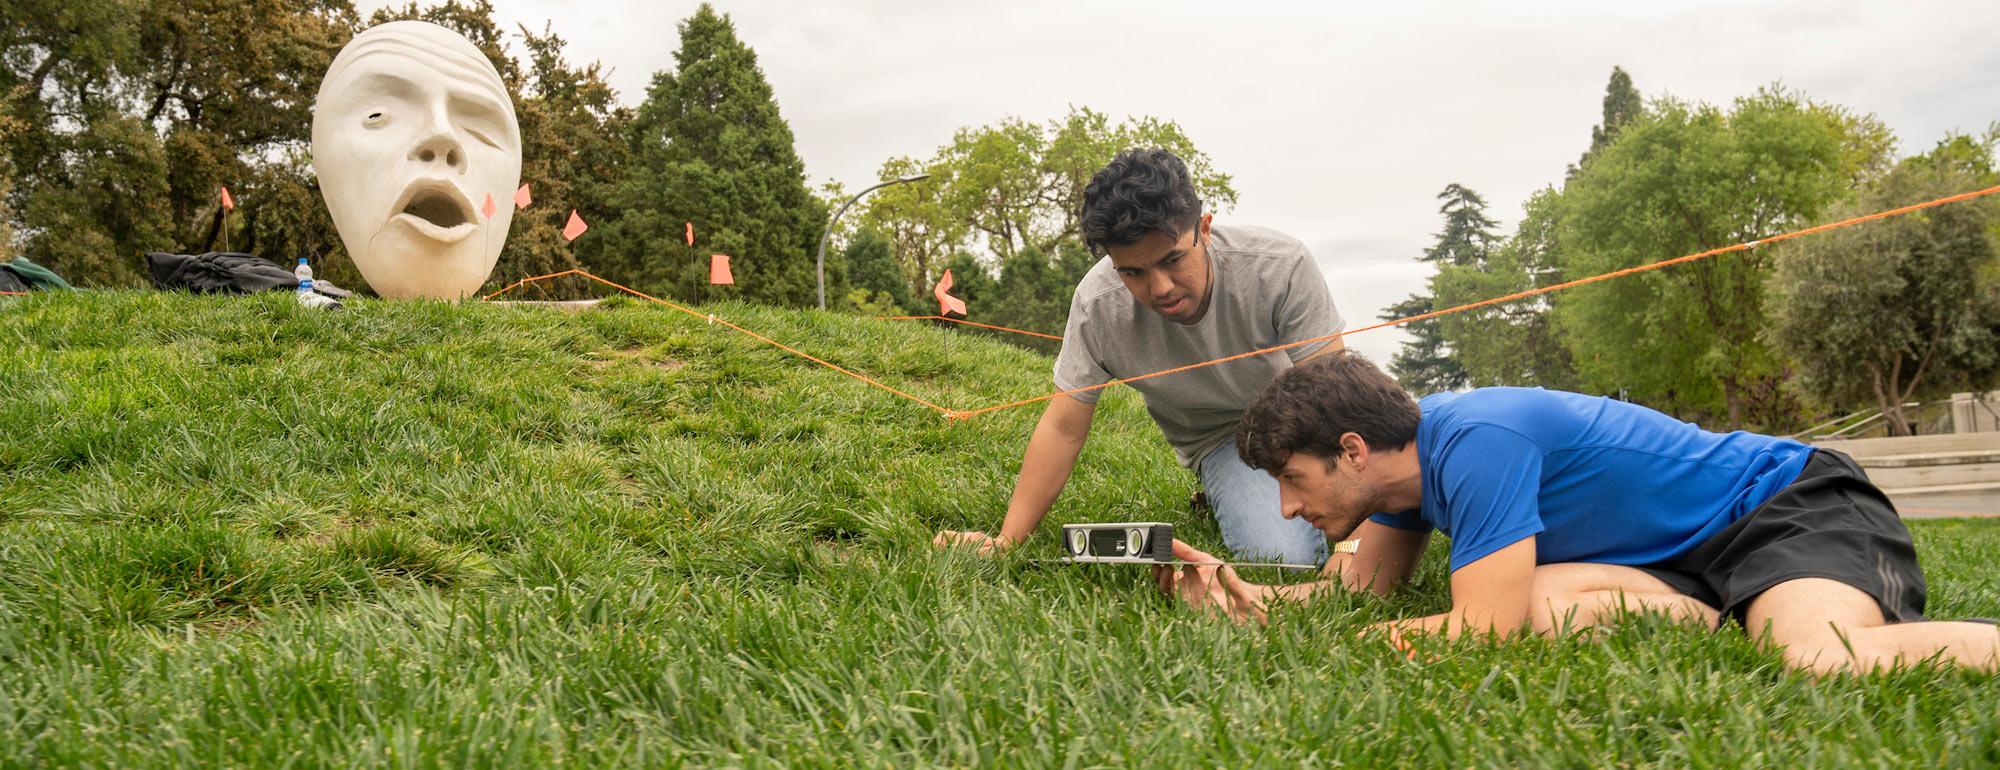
[1339, 122]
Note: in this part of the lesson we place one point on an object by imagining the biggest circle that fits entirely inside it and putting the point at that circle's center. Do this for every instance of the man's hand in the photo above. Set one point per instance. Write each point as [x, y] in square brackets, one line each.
[984, 543]
[1206, 585]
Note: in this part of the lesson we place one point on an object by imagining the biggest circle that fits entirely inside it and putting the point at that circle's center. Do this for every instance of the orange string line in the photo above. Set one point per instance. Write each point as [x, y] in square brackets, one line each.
[710, 317]
[1745, 246]
[13, 294]
[967, 323]
[962, 415]
[526, 281]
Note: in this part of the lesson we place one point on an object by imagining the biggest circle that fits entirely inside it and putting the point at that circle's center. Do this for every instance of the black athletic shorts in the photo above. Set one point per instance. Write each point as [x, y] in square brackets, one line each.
[1829, 523]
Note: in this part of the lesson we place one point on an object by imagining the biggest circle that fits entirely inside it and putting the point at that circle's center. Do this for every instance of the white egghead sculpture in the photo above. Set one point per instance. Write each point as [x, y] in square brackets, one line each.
[412, 130]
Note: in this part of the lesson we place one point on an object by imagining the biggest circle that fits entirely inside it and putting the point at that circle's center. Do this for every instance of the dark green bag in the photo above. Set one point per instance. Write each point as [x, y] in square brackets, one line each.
[35, 275]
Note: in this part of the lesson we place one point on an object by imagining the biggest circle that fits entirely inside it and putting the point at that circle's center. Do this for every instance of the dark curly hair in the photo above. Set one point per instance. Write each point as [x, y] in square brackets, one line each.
[1310, 406]
[1140, 192]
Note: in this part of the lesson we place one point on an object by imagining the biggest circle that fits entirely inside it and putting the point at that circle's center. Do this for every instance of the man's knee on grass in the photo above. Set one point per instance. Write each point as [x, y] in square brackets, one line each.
[1826, 626]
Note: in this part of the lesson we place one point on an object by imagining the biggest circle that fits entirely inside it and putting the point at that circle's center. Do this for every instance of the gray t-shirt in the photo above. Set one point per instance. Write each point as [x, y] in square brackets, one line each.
[1266, 291]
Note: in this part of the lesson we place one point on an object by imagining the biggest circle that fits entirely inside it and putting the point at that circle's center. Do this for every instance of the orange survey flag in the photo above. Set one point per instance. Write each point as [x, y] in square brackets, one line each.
[522, 198]
[487, 209]
[690, 233]
[948, 304]
[227, 202]
[575, 227]
[718, 270]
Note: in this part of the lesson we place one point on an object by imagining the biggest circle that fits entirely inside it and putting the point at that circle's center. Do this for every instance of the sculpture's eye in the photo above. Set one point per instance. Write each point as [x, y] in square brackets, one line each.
[375, 119]
[481, 136]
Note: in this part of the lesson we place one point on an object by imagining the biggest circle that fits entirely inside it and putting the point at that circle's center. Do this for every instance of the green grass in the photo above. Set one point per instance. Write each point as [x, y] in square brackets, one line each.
[235, 532]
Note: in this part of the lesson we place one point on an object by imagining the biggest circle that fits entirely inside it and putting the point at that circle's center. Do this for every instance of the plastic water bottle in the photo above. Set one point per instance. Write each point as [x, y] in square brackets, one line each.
[305, 293]
[305, 274]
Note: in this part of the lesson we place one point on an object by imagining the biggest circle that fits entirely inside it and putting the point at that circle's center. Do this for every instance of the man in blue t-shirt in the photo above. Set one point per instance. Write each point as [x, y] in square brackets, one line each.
[1564, 510]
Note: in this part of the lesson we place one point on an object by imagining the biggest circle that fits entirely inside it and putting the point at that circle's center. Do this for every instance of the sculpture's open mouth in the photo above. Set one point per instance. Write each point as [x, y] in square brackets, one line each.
[436, 208]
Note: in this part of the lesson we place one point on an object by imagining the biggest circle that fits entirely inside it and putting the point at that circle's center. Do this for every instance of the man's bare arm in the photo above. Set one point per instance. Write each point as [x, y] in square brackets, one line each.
[1492, 594]
[1045, 468]
[1384, 560]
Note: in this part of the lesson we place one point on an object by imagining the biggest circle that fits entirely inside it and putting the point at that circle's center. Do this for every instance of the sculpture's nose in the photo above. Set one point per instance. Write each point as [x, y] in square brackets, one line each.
[440, 142]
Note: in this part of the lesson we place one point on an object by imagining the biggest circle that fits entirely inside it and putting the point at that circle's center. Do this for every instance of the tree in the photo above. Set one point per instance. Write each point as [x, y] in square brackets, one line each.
[129, 115]
[1511, 343]
[574, 153]
[872, 270]
[57, 61]
[970, 281]
[709, 147]
[81, 209]
[1014, 187]
[1426, 364]
[1687, 178]
[1622, 104]
[922, 229]
[1031, 295]
[1885, 312]
[1422, 365]
[290, 220]
[1515, 343]
[8, 126]
[134, 114]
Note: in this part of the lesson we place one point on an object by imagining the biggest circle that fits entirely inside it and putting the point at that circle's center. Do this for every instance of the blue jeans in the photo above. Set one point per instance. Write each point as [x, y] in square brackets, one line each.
[1246, 507]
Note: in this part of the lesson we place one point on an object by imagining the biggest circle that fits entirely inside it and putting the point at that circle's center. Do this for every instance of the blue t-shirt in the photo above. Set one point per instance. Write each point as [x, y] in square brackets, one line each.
[1595, 480]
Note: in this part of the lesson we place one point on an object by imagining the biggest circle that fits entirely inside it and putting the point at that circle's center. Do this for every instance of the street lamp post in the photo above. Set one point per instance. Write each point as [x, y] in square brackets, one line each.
[836, 220]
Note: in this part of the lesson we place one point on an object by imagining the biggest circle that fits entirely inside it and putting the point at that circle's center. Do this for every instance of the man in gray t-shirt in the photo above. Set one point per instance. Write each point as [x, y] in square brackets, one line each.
[1174, 290]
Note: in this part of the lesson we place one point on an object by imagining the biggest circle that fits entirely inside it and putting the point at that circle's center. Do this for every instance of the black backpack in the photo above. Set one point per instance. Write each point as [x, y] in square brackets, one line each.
[228, 272]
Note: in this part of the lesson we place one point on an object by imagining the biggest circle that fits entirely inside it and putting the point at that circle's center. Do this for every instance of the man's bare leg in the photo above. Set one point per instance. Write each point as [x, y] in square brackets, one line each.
[1576, 596]
[1826, 626]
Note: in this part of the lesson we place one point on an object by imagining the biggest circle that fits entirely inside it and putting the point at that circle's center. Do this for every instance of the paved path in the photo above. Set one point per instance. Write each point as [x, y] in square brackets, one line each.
[1979, 504]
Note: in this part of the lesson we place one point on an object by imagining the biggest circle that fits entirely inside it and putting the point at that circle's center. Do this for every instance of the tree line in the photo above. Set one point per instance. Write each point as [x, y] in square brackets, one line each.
[122, 120]
[1772, 338]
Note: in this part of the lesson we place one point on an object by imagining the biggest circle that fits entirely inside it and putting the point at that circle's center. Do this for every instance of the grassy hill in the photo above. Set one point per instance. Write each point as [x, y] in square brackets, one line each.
[236, 532]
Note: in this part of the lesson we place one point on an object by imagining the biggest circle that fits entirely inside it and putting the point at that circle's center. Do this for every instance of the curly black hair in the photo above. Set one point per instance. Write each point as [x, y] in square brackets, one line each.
[1140, 192]
[1310, 406]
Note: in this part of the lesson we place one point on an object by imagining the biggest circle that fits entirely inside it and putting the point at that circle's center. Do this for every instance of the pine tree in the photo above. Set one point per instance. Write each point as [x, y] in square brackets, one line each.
[1426, 364]
[1622, 105]
[1468, 235]
[710, 148]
